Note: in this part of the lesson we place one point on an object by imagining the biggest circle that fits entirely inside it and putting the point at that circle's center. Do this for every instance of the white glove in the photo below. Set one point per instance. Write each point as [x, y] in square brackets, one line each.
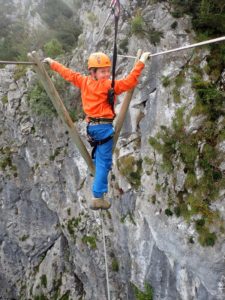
[145, 56]
[48, 60]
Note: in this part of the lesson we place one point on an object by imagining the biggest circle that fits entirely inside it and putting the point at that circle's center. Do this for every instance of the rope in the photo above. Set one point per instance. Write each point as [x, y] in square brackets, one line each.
[112, 5]
[105, 254]
[16, 62]
[111, 92]
[220, 39]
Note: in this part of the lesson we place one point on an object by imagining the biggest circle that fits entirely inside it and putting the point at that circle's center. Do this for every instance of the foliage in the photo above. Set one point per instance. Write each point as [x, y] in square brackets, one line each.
[73, 106]
[198, 193]
[92, 18]
[131, 169]
[208, 15]
[6, 160]
[72, 224]
[44, 280]
[166, 81]
[53, 48]
[40, 297]
[66, 296]
[20, 71]
[5, 99]
[39, 101]
[55, 12]
[168, 212]
[115, 265]
[138, 25]
[13, 38]
[146, 295]
[154, 36]
[198, 149]
[16, 39]
[140, 28]
[90, 241]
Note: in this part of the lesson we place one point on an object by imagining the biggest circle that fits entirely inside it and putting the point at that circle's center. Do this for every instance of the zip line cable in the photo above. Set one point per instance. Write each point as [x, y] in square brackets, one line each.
[220, 39]
[115, 4]
[216, 40]
[105, 255]
[2, 62]
[112, 5]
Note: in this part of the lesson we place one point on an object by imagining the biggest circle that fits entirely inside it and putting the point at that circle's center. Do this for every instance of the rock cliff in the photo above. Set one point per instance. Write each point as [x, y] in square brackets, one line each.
[165, 230]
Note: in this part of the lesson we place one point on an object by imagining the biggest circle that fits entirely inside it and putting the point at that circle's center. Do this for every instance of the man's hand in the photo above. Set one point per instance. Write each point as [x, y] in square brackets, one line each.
[145, 56]
[48, 60]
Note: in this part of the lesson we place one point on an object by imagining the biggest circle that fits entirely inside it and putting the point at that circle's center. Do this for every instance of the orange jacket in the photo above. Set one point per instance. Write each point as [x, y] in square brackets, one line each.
[94, 92]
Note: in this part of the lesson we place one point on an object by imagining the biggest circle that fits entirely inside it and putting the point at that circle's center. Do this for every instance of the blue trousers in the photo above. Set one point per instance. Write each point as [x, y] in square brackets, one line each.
[102, 157]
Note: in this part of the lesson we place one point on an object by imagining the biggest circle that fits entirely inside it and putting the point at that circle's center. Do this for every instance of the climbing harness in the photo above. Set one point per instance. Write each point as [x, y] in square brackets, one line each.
[95, 143]
[111, 92]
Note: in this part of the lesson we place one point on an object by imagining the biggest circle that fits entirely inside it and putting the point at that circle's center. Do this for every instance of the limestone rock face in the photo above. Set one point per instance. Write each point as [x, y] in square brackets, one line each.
[50, 242]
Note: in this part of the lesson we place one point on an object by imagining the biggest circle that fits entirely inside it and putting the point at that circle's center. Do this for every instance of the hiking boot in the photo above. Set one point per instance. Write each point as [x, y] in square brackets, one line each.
[99, 203]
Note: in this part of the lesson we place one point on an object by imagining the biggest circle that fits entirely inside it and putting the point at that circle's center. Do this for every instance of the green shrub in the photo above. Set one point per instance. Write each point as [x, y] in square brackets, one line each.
[90, 241]
[138, 25]
[207, 239]
[40, 297]
[20, 71]
[39, 101]
[44, 280]
[168, 212]
[207, 15]
[55, 12]
[154, 36]
[53, 48]
[198, 194]
[146, 295]
[166, 81]
[72, 224]
[16, 39]
[131, 169]
[115, 265]
[5, 99]
[66, 296]
[92, 18]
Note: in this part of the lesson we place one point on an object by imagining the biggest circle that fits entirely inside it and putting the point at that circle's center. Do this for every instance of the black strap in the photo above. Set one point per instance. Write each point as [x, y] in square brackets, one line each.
[116, 14]
[111, 92]
[95, 143]
[99, 120]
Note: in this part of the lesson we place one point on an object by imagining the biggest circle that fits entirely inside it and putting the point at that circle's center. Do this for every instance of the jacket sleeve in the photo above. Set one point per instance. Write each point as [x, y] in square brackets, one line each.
[69, 75]
[130, 81]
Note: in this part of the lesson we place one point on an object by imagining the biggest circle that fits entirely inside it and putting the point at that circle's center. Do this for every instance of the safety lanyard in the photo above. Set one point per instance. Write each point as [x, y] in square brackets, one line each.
[116, 10]
[115, 4]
